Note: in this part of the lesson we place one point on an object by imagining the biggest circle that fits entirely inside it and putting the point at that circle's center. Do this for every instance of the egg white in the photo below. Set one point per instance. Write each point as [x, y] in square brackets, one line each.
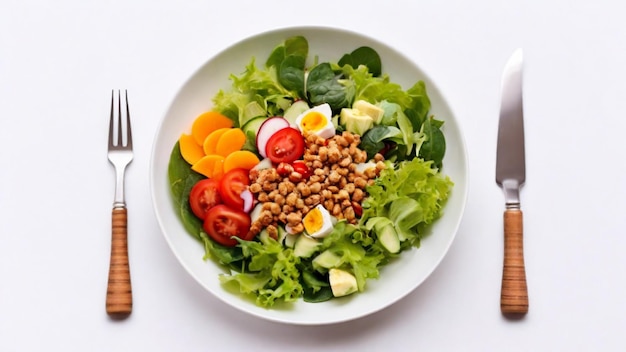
[325, 227]
[328, 129]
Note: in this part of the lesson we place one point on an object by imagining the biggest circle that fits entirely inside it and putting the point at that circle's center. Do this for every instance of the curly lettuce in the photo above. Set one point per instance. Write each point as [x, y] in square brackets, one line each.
[411, 194]
[257, 92]
[272, 272]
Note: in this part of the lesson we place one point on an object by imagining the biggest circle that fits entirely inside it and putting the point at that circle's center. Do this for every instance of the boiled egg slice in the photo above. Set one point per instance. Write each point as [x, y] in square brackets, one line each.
[318, 222]
[317, 120]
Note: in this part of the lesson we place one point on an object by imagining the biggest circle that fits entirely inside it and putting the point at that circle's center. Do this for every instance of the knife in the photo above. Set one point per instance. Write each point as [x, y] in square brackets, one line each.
[510, 176]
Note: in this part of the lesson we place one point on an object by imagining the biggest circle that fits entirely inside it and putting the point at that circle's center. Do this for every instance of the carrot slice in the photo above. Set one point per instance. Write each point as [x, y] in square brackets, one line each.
[243, 159]
[189, 149]
[211, 166]
[208, 122]
[232, 140]
[210, 142]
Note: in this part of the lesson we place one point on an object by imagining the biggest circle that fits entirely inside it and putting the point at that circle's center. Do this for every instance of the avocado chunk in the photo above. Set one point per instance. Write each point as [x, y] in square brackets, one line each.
[355, 121]
[342, 283]
[367, 108]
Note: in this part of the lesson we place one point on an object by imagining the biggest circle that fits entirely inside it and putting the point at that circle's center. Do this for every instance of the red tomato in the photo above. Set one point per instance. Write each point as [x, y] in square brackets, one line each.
[223, 222]
[284, 169]
[358, 209]
[232, 184]
[285, 146]
[300, 167]
[203, 196]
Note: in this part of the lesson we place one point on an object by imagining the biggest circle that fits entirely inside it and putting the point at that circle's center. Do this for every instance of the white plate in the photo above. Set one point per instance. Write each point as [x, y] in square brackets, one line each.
[396, 280]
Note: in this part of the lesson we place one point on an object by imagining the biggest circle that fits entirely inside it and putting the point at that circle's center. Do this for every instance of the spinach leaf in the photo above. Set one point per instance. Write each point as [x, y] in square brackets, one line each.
[231, 257]
[434, 147]
[293, 46]
[315, 287]
[291, 73]
[297, 46]
[323, 86]
[182, 179]
[415, 118]
[289, 60]
[276, 57]
[373, 141]
[363, 56]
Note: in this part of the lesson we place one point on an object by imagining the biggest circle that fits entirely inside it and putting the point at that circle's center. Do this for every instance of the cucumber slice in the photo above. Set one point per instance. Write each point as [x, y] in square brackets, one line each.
[290, 240]
[297, 108]
[305, 246]
[386, 233]
[251, 111]
[389, 238]
[326, 260]
[253, 124]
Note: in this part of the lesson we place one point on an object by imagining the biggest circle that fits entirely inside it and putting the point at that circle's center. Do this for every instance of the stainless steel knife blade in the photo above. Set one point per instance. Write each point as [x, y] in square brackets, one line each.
[511, 175]
[510, 162]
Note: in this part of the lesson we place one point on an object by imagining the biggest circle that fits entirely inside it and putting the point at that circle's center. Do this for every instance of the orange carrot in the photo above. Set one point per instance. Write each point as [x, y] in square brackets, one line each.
[232, 140]
[211, 166]
[243, 159]
[208, 122]
[189, 149]
[210, 142]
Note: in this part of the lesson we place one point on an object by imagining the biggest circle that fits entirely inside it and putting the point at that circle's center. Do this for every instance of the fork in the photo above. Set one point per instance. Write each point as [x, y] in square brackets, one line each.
[119, 299]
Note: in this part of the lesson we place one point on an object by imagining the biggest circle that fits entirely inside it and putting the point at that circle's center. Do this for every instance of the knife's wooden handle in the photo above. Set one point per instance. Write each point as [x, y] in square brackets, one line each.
[119, 299]
[514, 294]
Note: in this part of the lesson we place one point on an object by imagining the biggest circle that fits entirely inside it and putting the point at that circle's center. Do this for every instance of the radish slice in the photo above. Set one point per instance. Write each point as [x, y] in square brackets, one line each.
[255, 214]
[266, 163]
[248, 200]
[267, 130]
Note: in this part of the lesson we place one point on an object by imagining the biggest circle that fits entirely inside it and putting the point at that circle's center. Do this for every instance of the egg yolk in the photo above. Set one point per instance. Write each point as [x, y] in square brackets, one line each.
[313, 121]
[313, 221]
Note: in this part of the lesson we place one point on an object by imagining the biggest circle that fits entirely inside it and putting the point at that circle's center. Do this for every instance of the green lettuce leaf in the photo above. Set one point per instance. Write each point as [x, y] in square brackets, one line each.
[356, 252]
[411, 140]
[411, 195]
[373, 88]
[254, 85]
[272, 273]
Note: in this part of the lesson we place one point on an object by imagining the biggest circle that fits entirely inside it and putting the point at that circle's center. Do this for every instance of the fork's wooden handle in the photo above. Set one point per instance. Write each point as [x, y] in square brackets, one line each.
[514, 294]
[119, 299]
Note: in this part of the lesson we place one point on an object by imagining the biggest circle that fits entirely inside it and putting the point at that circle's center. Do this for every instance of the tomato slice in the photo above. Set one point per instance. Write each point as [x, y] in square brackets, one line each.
[223, 222]
[232, 184]
[203, 196]
[285, 146]
[300, 167]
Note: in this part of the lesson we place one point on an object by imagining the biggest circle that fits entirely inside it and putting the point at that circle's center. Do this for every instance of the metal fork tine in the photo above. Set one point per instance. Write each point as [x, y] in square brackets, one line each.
[111, 134]
[129, 135]
[120, 141]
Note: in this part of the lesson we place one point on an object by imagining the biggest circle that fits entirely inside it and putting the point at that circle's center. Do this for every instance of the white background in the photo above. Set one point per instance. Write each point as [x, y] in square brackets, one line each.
[59, 61]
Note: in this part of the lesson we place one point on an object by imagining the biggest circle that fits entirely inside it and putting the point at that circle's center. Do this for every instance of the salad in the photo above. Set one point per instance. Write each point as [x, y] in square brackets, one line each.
[306, 179]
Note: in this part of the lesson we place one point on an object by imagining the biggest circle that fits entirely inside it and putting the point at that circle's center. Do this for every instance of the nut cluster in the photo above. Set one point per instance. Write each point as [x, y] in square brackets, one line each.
[335, 182]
